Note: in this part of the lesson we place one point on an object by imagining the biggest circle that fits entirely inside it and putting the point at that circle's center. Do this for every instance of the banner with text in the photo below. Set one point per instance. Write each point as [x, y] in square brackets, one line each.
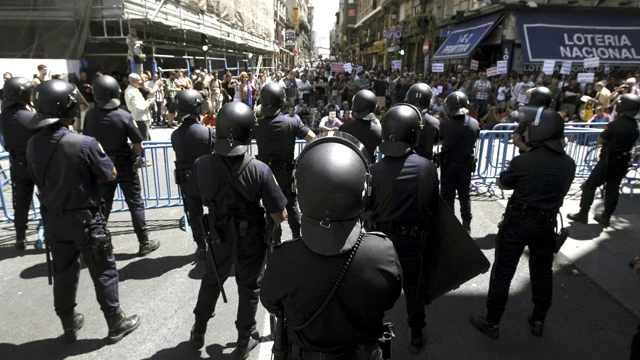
[437, 68]
[492, 71]
[465, 37]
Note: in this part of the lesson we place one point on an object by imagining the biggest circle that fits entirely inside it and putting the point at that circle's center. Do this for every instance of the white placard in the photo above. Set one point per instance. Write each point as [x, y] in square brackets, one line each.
[358, 69]
[591, 63]
[437, 68]
[436, 91]
[586, 77]
[347, 67]
[502, 67]
[493, 71]
[439, 89]
[566, 67]
[475, 64]
[396, 64]
[548, 67]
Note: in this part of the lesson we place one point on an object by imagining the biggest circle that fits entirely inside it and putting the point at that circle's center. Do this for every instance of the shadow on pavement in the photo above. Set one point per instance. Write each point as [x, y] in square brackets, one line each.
[215, 351]
[53, 349]
[124, 227]
[9, 251]
[182, 351]
[149, 268]
[487, 242]
[578, 231]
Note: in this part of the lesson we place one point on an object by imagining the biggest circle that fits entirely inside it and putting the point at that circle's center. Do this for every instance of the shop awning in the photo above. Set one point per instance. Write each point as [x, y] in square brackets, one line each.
[369, 15]
[465, 37]
[615, 39]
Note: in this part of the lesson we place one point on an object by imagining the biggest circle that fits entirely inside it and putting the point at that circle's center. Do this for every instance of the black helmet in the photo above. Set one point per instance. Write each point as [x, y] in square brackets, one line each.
[234, 126]
[545, 127]
[106, 92]
[401, 127]
[628, 104]
[364, 104]
[271, 99]
[419, 95]
[457, 103]
[189, 102]
[16, 90]
[53, 100]
[540, 96]
[332, 180]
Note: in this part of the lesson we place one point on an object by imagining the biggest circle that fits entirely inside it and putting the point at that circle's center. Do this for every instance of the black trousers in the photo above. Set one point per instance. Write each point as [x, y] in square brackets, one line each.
[414, 286]
[251, 252]
[519, 233]
[67, 241]
[193, 206]
[285, 179]
[362, 352]
[612, 173]
[635, 346]
[22, 192]
[456, 177]
[129, 182]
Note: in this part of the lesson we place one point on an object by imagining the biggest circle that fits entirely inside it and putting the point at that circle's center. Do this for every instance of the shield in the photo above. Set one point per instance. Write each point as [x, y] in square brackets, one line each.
[451, 256]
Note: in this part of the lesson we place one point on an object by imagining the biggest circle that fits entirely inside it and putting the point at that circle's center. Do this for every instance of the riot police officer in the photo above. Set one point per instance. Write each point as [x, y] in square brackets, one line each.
[540, 179]
[539, 97]
[419, 95]
[231, 185]
[617, 141]
[405, 191]
[361, 269]
[112, 127]
[458, 135]
[66, 167]
[276, 136]
[14, 119]
[190, 141]
[363, 127]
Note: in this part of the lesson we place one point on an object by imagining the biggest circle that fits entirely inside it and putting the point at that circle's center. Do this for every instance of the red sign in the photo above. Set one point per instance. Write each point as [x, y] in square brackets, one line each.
[351, 12]
[425, 47]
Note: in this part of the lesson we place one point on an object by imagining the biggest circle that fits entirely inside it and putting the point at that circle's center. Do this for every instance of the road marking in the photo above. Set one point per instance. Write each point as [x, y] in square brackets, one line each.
[264, 349]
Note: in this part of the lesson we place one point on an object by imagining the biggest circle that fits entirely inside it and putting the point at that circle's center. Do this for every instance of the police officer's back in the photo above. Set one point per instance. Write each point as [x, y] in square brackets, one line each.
[617, 141]
[419, 95]
[276, 136]
[112, 127]
[301, 274]
[236, 221]
[67, 168]
[538, 100]
[405, 190]
[363, 127]
[540, 179]
[14, 119]
[458, 135]
[190, 141]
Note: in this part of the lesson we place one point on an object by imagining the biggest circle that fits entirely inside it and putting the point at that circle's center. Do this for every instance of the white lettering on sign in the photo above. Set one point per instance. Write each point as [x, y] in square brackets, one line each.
[453, 49]
[586, 46]
[464, 38]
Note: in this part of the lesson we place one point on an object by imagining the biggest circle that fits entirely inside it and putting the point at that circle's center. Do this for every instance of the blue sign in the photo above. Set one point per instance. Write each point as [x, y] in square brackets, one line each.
[465, 37]
[444, 33]
[614, 39]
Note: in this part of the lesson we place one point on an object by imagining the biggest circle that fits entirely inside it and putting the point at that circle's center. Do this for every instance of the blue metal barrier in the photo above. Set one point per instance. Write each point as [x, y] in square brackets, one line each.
[493, 150]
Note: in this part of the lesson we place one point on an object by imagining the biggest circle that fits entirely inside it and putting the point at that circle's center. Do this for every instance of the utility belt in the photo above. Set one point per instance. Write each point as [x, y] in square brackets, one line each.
[182, 176]
[364, 350]
[279, 165]
[119, 161]
[444, 160]
[532, 213]
[618, 154]
[398, 228]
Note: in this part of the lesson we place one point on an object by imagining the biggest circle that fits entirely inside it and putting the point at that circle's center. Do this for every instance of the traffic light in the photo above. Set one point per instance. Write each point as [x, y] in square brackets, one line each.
[204, 41]
[401, 52]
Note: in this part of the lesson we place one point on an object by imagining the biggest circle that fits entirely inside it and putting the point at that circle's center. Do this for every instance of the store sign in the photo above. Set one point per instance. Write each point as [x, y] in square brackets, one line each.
[351, 12]
[296, 18]
[290, 34]
[465, 37]
[614, 39]
[379, 46]
[393, 34]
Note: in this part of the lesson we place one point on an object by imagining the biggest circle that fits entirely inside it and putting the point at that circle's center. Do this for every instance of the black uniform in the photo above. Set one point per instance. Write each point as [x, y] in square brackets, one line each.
[13, 126]
[67, 167]
[367, 132]
[190, 141]
[620, 135]
[540, 178]
[348, 320]
[112, 128]
[429, 136]
[404, 189]
[458, 136]
[276, 140]
[243, 244]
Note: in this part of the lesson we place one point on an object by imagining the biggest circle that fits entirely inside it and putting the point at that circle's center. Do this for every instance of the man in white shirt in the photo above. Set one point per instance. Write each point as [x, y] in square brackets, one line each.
[521, 90]
[138, 106]
[330, 122]
[304, 88]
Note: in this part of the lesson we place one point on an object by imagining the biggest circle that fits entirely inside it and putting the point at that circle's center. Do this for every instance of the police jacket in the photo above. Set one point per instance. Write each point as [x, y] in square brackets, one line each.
[13, 126]
[190, 141]
[112, 128]
[540, 178]
[458, 136]
[298, 280]
[276, 138]
[367, 132]
[429, 136]
[621, 135]
[67, 167]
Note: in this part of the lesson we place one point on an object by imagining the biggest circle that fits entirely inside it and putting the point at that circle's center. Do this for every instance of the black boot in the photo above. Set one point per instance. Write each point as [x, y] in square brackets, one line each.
[121, 326]
[418, 341]
[201, 250]
[146, 245]
[21, 239]
[467, 225]
[603, 219]
[536, 323]
[481, 323]
[71, 324]
[246, 343]
[198, 331]
[581, 217]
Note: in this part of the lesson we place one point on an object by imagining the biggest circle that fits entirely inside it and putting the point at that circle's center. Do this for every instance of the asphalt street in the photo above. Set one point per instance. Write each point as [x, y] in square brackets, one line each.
[585, 322]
